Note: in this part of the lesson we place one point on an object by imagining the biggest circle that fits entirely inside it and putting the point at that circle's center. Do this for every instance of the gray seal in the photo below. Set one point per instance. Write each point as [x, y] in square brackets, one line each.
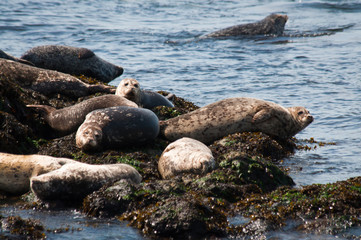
[273, 24]
[117, 127]
[72, 182]
[48, 82]
[185, 156]
[68, 119]
[130, 89]
[72, 60]
[233, 115]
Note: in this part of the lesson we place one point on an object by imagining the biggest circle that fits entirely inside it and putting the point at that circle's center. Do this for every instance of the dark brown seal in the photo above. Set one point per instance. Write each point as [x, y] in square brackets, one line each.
[48, 82]
[117, 127]
[273, 24]
[72, 60]
[130, 89]
[233, 115]
[67, 120]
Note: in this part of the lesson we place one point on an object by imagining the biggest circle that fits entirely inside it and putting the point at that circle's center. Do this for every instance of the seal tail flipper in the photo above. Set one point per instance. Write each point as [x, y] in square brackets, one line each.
[44, 110]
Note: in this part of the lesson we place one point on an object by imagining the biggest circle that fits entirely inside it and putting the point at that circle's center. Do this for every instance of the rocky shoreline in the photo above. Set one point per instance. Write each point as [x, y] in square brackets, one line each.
[247, 181]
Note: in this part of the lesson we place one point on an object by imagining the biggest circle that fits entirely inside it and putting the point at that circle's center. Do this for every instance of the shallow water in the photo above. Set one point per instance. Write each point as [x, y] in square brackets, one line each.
[316, 63]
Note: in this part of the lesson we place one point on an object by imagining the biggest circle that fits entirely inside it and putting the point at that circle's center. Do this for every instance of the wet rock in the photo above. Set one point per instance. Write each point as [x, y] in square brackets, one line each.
[14, 226]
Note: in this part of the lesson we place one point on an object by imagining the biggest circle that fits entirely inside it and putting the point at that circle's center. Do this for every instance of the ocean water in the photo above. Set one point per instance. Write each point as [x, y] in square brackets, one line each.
[316, 64]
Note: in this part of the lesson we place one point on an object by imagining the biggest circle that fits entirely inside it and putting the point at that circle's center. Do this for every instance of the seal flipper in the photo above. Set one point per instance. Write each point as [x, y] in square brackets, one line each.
[44, 110]
[85, 53]
[262, 115]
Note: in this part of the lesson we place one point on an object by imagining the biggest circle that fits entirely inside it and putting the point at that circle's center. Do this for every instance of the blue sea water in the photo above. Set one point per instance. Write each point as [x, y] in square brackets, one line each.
[316, 64]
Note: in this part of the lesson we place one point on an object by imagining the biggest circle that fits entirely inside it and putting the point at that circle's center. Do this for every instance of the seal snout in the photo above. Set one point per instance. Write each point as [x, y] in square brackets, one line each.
[119, 71]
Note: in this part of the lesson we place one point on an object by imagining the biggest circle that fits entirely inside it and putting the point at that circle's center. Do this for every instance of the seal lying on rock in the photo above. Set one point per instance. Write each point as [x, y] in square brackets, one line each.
[233, 115]
[130, 89]
[9, 57]
[185, 155]
[16, 170]
[48, 82]
[72, 60]
[75, 181]
[117, 126]
[68, 119]
[273, 24]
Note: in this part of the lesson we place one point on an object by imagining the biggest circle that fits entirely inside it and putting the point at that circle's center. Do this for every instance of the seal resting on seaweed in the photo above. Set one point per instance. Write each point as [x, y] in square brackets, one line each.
[233, 115]
[273, 24]
[16, 170]
[72, 60]
[184, 156]
[48, 82]
[117, 126]
[68, 119]
[75, 181]
[130, 89]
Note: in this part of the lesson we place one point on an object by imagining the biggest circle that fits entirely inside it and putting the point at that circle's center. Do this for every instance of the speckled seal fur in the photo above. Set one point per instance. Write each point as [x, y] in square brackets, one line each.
[48, 82]
[68, 119]
[130, 89]
[185, 156]
[72, 60]
[233, 115]
[75, 181]
[273, 24]
[16, 170]
[117, 127]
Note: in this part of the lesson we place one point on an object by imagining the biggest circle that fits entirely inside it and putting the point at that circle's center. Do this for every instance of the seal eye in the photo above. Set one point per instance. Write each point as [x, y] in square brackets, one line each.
[300, 112]
[126, 84]
[136, 85]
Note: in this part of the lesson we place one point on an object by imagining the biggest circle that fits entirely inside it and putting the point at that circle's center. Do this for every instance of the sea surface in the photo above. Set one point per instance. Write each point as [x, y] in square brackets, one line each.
[316, 64]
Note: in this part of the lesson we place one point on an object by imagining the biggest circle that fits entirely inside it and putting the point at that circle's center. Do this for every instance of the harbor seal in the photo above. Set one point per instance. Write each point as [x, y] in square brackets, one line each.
[273, 24]
[48, 82]
[130, 89]
[72, 60]
[185, 155]
[68, 119]
[16, 170]
[72, 182]
[9, 57]
[115, 127]
[233, 115]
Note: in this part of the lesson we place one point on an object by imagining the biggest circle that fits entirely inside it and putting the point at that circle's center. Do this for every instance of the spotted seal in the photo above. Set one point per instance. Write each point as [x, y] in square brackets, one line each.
[115, 127]
[185, 155]
[130, 89]
[72, 182]
[273, 24]
[68, 119]
[48, 82]
[16, 170]
[72, 60]
[233, 115]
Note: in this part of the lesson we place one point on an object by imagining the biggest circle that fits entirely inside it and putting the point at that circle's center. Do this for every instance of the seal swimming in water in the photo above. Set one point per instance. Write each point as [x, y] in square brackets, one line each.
[16, 170]
[72, 60]
[185, 155]
[72, 182]
[273, 24]
[233, 115]
[117, 126]
[68, 119]
[130, 89]
[48, 82]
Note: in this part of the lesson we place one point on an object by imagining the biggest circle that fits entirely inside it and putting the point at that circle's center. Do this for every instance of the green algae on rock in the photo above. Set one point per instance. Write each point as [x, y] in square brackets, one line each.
[319, 208]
